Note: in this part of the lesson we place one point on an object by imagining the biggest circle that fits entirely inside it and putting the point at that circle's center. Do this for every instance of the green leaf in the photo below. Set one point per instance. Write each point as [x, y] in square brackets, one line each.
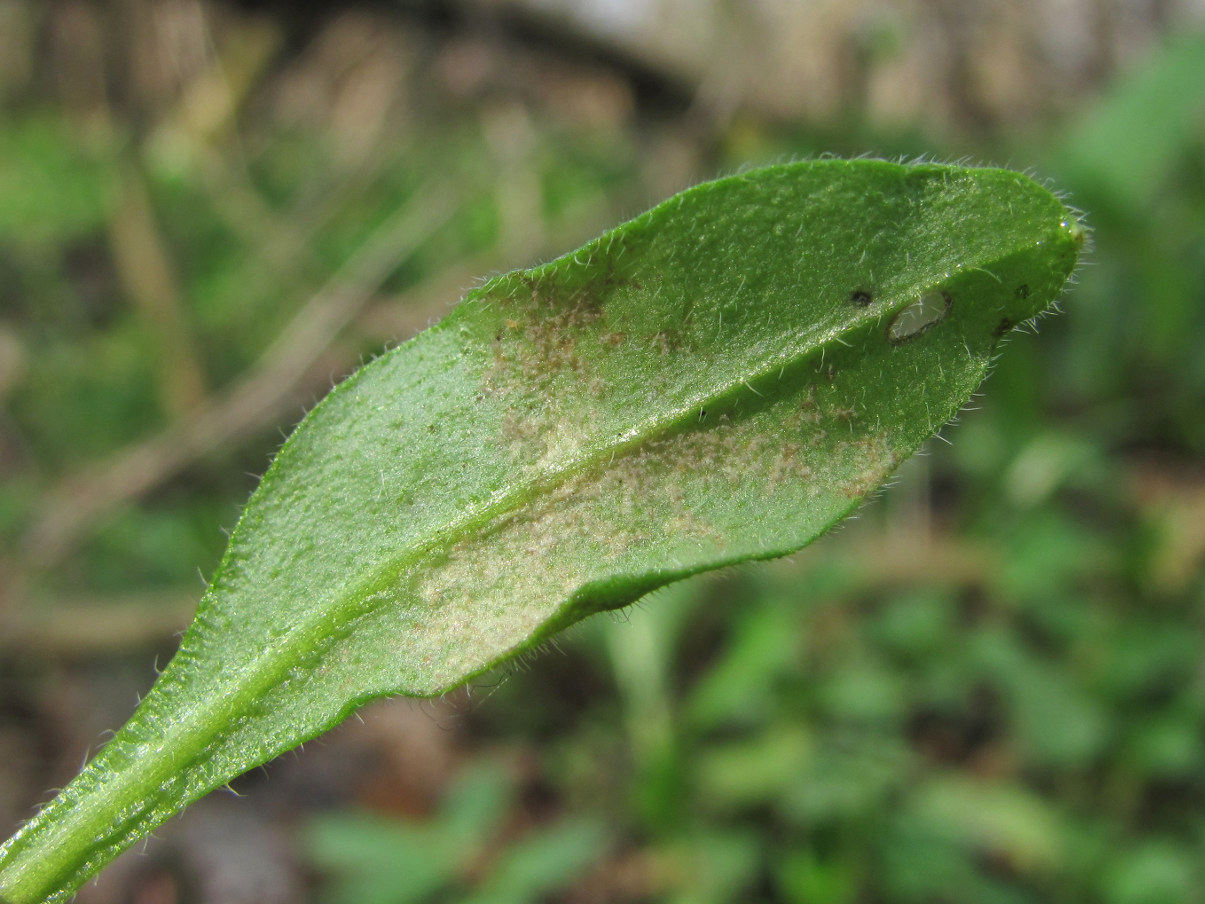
[536, 864]
[1128, 142]
[377, 860]
[718, 380]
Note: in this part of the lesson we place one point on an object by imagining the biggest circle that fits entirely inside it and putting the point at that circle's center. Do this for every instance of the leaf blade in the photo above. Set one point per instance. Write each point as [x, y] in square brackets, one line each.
[717, 381]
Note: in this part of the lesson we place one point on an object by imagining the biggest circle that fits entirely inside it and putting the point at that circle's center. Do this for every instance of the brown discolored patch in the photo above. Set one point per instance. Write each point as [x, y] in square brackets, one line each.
[641, 510]
[811, 412]
[667, 342]
[874, 457]
[788, 465]
[548, 320]
[538, 369]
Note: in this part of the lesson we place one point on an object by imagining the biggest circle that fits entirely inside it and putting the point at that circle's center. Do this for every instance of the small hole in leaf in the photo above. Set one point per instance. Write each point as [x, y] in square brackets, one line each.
[861, 298]
[928, 310]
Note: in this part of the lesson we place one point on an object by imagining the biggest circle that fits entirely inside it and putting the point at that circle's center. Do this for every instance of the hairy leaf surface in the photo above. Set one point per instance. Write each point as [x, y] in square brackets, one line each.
[718, 380]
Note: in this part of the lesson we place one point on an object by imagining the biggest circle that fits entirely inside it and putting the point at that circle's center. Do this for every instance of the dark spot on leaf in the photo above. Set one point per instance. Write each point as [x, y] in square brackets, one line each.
[1003, 327]
[1023, 290]
[861, 298]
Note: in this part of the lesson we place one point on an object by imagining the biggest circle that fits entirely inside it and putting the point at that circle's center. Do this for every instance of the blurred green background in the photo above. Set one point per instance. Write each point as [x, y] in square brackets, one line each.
[989, 687]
